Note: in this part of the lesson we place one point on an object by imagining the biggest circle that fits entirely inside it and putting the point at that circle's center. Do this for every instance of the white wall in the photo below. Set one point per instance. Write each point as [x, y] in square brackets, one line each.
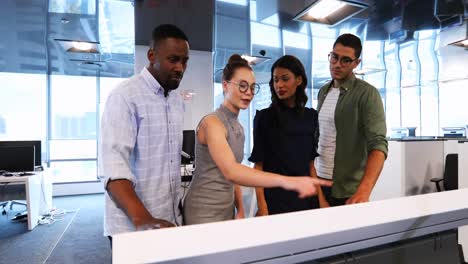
[198, 79]
[409, 167]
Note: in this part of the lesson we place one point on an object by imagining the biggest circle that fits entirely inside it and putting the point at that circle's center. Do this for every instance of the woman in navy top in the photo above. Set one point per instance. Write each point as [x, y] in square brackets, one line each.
[285, 137]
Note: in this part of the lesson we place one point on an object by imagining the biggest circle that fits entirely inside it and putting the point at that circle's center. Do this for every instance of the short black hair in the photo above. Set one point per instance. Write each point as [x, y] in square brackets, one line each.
[165, 31]
[350, 40]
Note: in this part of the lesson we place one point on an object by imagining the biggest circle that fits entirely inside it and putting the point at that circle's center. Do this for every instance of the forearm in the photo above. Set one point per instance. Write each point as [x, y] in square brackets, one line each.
[238, 198]
[243, 175]
[259, 192]
[321, 196]
[373, 169]
[125, 197]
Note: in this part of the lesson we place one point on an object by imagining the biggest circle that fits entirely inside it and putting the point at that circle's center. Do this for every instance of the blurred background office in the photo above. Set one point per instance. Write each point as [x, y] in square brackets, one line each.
[59, 59]
[54, 91]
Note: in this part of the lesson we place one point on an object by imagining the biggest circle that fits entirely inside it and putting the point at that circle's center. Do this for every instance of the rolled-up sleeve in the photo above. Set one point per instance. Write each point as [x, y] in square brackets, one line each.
[117, 139]
[375, 128]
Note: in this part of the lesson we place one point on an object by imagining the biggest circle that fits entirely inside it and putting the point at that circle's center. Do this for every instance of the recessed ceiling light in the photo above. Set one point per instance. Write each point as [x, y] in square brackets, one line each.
[330, 12]
[79, 46]
[255, 60]
[84, 46]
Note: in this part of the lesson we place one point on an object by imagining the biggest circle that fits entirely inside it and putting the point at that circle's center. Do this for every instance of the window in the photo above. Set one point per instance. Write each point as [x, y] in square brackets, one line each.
[265, 35]
[73, 122]
[410, 97]
[116, 35]
[429, 88]
[85, 7]
[235, 2]
[373, 66]
[320, 66]
[22, 106]
[73, 171]
[392, 86]
[453, 94]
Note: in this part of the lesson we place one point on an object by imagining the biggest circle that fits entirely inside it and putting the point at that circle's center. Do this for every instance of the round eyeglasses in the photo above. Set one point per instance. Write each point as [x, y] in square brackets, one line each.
[244, 86]
[334, 58]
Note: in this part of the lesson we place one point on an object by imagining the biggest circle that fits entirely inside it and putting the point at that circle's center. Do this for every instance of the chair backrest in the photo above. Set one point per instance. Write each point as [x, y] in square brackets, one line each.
[451, 172]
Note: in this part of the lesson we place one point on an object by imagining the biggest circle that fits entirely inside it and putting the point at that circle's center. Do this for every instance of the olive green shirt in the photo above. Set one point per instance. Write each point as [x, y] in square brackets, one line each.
[360, 128]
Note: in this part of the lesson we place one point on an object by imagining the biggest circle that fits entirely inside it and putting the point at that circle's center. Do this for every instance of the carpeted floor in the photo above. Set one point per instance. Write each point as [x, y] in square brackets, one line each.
[77, 238]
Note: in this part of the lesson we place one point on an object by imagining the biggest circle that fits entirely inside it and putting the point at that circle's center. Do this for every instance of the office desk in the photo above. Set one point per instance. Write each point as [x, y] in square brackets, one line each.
[38, 194]
[297, 237]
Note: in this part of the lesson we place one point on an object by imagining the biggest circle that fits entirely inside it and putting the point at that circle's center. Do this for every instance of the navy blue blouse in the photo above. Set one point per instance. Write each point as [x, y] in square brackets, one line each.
[285, 142]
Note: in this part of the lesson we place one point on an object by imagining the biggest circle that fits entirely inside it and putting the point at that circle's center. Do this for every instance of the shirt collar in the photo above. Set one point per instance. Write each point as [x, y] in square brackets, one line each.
[347, 85]
[152, 83]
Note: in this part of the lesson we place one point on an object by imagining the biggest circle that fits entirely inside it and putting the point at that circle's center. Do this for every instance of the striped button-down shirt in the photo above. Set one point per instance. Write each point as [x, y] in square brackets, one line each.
[141, 141]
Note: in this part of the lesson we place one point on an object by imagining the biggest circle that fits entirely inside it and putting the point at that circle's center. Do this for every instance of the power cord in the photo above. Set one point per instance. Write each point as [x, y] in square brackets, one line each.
[185, 185]
[55, 215]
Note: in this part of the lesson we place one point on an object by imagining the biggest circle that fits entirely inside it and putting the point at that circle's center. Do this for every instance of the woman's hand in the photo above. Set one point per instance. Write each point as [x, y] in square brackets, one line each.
[305, 186]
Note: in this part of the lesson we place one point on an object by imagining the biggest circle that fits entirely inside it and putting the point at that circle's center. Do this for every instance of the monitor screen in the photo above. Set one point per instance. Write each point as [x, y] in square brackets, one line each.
[35, 143]
[188, 146]
[17, 158]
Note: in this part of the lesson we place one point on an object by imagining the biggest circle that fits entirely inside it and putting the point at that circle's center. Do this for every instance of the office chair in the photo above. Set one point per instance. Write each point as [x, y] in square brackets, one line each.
[450, 179]
[3, 205]
[16, 202]
[10, 203]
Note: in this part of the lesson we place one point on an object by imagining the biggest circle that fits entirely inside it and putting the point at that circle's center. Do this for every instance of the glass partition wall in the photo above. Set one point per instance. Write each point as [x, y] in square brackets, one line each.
[405, 73]
[56, 96]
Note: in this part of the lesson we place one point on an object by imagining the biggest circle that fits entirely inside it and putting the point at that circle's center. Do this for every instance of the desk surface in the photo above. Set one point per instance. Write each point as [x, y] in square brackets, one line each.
[38, 194]
[297, 237]
[19, 178]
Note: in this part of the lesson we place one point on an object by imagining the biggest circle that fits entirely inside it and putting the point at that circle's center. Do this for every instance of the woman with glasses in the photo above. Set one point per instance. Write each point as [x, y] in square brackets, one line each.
[219, 152]
[285, 138]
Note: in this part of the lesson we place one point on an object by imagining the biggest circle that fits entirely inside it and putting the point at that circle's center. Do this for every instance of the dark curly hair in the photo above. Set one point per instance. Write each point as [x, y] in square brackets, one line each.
[294, 65]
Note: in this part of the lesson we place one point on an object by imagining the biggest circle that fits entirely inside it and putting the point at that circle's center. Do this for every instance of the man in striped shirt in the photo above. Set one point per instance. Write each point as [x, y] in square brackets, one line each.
[141, 140]
[352, 142]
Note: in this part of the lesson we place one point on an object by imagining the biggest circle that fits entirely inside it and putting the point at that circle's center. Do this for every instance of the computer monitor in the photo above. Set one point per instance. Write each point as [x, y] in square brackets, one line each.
[17, 158]
[25, 143]
[188, 146]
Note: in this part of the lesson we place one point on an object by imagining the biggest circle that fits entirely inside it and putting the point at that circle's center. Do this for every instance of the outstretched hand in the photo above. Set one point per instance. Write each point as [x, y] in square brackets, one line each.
[305, 186]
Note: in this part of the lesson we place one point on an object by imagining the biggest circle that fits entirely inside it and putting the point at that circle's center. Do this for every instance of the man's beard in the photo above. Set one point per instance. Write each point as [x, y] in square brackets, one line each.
[170, 85]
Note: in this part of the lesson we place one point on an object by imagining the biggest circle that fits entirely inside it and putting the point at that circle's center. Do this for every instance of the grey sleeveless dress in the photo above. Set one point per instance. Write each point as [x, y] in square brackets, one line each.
[210, 197]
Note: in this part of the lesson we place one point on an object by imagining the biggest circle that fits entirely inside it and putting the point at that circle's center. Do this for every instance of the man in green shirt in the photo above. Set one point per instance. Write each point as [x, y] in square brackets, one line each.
[352, 142]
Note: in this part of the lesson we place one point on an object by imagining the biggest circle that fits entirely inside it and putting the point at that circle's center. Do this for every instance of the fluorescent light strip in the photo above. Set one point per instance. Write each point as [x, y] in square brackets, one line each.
[82, 45]
[255, 60]
[324, 8]
[249, 59]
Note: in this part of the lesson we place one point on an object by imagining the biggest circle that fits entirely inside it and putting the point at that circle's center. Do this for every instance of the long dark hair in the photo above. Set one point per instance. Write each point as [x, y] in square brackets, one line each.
[294, 65]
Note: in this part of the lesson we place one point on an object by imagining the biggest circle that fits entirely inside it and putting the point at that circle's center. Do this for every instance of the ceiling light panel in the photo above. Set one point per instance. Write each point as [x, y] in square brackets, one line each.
[330, 12]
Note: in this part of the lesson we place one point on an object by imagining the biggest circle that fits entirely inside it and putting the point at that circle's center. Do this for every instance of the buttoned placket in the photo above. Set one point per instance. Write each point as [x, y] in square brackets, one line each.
[170, 128]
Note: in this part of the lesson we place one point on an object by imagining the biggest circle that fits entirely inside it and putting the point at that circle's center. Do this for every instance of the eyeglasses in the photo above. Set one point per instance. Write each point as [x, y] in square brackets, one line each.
[244, 86]
[334, 58]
